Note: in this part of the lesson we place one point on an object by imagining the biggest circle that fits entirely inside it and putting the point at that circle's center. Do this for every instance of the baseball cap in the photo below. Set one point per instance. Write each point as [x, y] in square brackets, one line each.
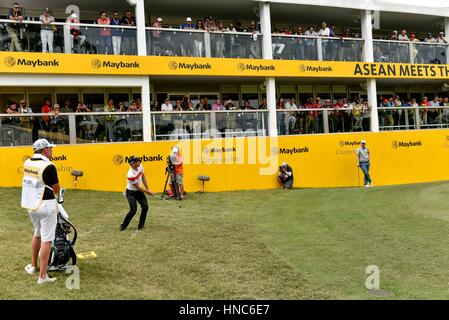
[74, 16]
[189, 19]
[41, 144]
[175, 149]
[46, 10]
[159, 19]
[133, 159]
[363, 141]
[284, 164]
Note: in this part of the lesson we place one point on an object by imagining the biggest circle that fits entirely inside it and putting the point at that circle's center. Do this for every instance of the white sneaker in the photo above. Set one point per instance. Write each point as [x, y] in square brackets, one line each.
[46, 280]
[372, 184]
[367, 185]
[30, 269]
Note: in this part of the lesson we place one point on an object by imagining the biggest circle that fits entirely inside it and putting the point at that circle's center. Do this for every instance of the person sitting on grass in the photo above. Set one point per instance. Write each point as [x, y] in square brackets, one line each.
[285, 177]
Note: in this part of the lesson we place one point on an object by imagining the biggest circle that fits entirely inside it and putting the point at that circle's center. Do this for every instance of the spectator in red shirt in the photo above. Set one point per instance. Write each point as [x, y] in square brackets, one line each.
[337, 116]
[105, 35]
[46, 108]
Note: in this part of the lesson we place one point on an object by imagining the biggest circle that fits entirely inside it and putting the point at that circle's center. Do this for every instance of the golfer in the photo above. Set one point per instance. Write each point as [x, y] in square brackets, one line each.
[135, 193]
[39, 186]
[363, 161]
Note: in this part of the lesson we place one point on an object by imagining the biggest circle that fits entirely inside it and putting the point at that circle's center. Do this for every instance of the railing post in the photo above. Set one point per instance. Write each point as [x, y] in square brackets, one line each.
[319, 47]
[207, 45]
[417, 118]
[67, 39]
[411, 52]
[325, 121]
[72, 129]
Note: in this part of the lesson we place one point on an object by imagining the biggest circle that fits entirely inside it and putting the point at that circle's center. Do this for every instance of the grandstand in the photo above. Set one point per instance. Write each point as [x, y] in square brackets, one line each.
[270, 76]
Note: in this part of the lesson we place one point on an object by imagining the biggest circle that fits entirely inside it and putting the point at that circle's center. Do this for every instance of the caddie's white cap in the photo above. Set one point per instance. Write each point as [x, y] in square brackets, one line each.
[363, 141]
[189, 19]
[41, 144]
[175, 149]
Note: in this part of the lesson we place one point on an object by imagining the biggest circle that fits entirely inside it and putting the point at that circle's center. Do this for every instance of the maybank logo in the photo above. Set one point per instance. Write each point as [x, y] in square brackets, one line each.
[97, 64]
[11, 62]
[343, 143]
[119, 159]
[302, 68]
[173, 65]
[293, 150]
[319, 69]
[254, 67]
[408, 144]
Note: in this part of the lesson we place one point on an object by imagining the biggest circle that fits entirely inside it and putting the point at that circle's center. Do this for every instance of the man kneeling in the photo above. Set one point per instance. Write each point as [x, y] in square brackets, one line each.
[285, 177]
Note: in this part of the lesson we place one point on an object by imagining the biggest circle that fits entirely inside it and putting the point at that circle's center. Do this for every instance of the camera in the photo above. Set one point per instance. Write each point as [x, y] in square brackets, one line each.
[170, 168]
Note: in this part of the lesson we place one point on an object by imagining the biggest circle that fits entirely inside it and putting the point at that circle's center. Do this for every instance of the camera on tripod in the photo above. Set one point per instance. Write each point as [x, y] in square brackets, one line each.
[170, 167]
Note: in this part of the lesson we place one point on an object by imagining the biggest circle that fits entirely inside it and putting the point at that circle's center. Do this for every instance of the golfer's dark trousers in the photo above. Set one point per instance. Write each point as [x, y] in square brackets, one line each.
[135, 197]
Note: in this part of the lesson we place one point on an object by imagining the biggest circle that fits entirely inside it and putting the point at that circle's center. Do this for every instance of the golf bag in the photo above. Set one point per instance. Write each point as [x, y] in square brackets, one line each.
[62, 253]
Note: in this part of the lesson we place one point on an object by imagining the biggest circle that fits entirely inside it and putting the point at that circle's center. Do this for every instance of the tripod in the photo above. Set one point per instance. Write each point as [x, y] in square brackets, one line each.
[174, 183]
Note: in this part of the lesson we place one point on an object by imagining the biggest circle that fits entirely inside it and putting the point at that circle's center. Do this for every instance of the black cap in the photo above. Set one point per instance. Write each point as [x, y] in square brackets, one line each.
[133, 159]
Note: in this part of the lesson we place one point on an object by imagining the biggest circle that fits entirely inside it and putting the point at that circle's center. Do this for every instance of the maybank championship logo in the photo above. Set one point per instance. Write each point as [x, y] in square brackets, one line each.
[302, 68]
[406, 144]
[10, 62]
[173, 65]
[255, 67]
[119, 159]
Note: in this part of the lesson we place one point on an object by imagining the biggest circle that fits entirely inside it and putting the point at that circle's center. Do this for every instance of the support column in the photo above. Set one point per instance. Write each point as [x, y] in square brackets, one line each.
[140, 22]
[146, 109]
[446, 34]
[267, 51]
[368, 56]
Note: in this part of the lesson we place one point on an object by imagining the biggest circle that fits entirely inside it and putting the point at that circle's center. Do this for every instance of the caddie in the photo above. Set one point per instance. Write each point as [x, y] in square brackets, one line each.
[39, 187]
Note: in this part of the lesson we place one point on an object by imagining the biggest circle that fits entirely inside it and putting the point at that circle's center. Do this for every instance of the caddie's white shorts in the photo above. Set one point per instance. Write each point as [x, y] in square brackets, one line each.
[44, 220]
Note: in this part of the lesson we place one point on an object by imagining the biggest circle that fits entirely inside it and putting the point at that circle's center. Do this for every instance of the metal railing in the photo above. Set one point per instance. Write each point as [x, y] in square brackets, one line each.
[200, 43]
[59, 37]
[411, 118]
[70, 128]
[295, 47]
[410, 52]
[182, 125]
[321, 120]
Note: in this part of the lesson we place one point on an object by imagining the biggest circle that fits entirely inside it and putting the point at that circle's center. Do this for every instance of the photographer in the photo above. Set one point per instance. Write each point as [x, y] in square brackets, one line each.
[285, 177]
[177, 174]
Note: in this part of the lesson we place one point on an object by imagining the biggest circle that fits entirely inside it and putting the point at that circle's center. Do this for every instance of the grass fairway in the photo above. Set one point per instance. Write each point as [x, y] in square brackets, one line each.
[274, 244]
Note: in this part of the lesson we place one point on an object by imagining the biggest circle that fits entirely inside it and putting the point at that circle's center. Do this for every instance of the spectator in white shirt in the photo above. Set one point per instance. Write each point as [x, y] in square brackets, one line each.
[166, 106]
[403, 36]
[324, 31]
[290, 119]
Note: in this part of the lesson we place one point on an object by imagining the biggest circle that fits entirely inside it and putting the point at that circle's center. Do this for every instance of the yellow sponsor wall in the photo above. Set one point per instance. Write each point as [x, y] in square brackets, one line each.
[21, 62]
[250, 163]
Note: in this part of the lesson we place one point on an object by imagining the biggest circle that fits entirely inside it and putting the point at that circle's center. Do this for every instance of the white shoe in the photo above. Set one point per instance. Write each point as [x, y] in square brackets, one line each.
[372, 184]
[46, 280]
[367, 185]
[30, 269]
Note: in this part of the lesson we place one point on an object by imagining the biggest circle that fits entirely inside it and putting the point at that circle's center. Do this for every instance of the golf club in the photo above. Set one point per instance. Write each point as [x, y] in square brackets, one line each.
[180, 206]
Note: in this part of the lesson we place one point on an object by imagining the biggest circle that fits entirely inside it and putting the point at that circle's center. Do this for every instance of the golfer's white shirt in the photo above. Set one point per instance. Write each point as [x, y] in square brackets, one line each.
[134, 178]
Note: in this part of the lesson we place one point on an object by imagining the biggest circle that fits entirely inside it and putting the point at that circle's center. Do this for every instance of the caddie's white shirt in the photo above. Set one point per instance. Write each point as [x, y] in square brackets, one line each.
[134, 178]
[33, 185]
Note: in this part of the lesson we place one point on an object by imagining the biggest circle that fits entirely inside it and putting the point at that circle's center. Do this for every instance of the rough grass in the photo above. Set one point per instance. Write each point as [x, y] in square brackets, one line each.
[274, 244]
